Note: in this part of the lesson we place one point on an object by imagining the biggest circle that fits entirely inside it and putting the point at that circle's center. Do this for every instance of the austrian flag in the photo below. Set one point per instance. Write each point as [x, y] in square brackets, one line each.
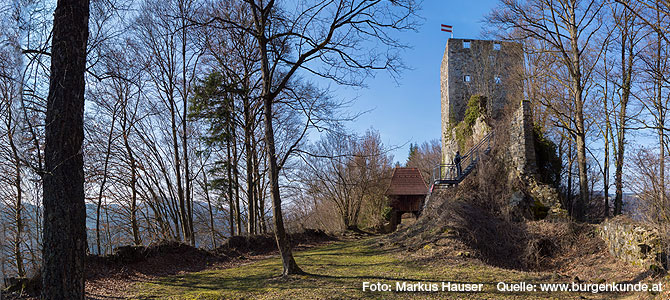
[446, 28]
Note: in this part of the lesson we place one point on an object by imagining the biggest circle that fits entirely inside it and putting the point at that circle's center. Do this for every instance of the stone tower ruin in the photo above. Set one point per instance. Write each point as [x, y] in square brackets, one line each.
[493, 69]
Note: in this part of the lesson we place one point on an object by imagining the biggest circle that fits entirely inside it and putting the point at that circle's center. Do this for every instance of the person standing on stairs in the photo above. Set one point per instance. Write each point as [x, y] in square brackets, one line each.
[457, 162]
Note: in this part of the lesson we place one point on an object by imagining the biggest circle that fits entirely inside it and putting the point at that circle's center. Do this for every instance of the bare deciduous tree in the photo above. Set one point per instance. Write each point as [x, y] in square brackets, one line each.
[567, 29]
[293, 39]
[425, 157]
[349, 172]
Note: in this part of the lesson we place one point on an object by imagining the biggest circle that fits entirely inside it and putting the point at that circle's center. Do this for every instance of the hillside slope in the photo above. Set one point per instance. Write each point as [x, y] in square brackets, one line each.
[339, 270]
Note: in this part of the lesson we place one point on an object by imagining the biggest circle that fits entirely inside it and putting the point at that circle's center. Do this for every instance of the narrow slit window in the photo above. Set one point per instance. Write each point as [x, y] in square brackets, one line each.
[497, 79]
[466, 78]
[466, 44]
[496, 46]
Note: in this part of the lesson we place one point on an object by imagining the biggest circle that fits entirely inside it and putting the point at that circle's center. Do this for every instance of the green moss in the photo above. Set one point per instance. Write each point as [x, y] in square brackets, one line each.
[540, 211]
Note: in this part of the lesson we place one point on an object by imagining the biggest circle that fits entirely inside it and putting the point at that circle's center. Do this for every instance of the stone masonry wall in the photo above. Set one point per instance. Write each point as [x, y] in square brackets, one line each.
[494, 69]
[449, 144]
[522, 147]
[633, 243]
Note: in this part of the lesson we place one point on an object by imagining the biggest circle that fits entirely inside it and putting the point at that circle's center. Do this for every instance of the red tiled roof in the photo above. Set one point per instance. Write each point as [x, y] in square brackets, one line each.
[407, 181]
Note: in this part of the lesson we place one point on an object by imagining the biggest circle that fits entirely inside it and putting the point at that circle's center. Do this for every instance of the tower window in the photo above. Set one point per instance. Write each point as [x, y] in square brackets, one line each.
[466, 78]
[496, 46]
[497, 79]
[466, 44]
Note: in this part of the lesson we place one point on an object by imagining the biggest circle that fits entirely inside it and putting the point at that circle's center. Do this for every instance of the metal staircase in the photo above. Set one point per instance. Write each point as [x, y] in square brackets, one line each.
[447, 174]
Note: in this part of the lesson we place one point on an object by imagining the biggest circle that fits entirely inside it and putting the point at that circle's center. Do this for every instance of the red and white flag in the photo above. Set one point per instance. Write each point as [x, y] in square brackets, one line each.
[446, 28]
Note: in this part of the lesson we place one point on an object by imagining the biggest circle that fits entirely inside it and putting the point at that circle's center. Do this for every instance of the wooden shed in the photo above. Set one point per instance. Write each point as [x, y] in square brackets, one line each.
[406, 193]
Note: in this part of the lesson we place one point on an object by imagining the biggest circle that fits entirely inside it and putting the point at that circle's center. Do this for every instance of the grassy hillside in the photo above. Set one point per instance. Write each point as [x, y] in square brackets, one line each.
[338, 270]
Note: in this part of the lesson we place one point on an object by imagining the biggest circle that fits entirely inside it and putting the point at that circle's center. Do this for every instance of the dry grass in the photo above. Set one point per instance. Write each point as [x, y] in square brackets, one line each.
[337, 271]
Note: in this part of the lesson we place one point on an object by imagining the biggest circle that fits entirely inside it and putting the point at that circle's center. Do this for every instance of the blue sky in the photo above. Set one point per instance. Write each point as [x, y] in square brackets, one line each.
[410, 112]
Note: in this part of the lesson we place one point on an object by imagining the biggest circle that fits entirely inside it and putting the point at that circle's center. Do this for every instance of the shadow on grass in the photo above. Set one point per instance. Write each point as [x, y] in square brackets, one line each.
[334, 271]
[333, 266]
[248, 286]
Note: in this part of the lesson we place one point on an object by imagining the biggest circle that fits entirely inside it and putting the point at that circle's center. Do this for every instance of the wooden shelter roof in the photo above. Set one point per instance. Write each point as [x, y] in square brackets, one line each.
[407, 181]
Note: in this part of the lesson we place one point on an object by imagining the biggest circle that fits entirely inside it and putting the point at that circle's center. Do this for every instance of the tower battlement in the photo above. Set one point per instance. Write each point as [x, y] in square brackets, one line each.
[493, 69]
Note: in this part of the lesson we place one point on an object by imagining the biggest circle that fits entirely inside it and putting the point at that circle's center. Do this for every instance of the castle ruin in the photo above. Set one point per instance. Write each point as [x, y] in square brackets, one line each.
[494, 70]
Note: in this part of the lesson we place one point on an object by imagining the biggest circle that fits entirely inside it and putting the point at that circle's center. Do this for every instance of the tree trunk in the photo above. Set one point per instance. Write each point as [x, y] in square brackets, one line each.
[230, 181]
[189, 232]
[63, 181]
[180, 189]
[108, 231]
[606, 176]
[238, 214]
[618, 172]
[260, 197]
[267, 96]
[627, 70]
[183, 216]
[661, 166]
[581, 203]
[18, 205]
[580, 134]
[606, 135]
[568, 194]
[209, 205]
[133, 182]
[104, 180]
[19, 224]
[248, 123]
[283, 243]
[573, 61]
[256, 183]
[660, 117]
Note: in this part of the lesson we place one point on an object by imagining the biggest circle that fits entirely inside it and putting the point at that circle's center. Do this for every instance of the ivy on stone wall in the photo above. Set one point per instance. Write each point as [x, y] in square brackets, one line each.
[463, 129]
[474, 109]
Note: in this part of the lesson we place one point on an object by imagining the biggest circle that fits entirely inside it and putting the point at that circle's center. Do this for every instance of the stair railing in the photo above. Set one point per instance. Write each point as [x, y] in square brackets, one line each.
[448, 173]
